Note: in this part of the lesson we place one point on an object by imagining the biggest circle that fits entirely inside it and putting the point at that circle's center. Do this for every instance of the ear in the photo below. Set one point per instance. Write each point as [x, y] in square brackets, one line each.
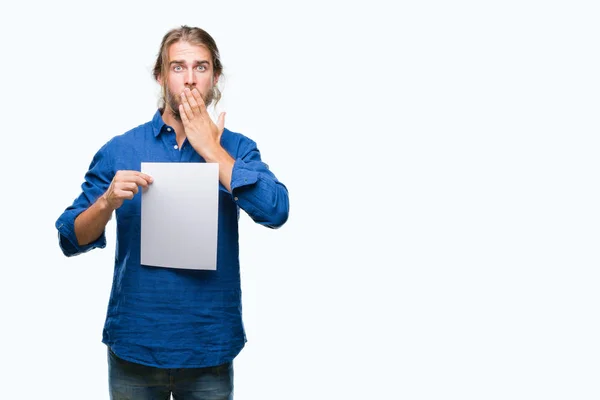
[216, 79]
[159, 80]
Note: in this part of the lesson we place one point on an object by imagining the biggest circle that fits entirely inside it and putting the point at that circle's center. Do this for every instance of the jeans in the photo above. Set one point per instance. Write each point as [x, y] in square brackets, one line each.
[131, 381]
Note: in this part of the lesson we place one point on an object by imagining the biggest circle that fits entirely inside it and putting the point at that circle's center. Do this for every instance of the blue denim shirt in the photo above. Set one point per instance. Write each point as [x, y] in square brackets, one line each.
[169, 317]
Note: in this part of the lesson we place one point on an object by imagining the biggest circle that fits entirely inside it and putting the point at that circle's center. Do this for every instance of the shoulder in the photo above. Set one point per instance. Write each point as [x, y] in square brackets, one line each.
[236, 141]
[231, 135]
[114, 148]
[130, 137]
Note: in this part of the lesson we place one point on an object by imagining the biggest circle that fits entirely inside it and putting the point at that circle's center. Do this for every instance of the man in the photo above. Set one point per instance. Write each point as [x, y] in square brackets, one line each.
[169, 330]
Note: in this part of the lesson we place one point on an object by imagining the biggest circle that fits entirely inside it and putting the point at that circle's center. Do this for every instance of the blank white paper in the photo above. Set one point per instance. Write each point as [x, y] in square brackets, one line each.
[179, 220]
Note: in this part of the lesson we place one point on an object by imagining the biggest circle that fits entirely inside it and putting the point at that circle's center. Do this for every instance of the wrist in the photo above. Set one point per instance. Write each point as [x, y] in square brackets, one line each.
[215, 154]
[104, 204]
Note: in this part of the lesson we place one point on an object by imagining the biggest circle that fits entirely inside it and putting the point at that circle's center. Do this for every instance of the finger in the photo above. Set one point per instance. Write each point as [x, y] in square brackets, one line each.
[186, 106]
[147, 177]
[144, 176]
[137, 179]
[124, 175]
[183, 115]
[128, 187]
[221, 122]
[199, 100]
[124, 194]
[193, 101]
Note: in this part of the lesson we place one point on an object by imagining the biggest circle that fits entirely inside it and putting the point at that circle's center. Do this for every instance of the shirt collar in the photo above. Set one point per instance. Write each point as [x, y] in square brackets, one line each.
[157, 123]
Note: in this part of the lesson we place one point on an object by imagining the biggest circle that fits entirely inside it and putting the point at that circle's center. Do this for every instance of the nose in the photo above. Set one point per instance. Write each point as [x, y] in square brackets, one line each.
[190, 77]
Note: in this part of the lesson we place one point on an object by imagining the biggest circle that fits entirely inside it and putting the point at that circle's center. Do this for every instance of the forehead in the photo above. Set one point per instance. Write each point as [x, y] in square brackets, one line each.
[185, 51]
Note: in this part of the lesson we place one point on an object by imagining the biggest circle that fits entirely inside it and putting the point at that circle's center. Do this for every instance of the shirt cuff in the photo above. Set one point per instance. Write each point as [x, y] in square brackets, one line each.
[242, 175]
[67, 239]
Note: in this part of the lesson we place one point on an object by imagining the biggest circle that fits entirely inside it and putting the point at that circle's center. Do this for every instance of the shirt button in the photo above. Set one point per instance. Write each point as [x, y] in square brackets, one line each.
[175, 147]
[168, 129]
[235, 198]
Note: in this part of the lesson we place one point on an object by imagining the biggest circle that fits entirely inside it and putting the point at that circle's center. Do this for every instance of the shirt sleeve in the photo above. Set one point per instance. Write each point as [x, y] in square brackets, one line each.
[97, 180]
[256, 190]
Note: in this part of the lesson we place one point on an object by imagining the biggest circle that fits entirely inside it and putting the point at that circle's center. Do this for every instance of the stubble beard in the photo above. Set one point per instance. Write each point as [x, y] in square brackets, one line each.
[174, 100]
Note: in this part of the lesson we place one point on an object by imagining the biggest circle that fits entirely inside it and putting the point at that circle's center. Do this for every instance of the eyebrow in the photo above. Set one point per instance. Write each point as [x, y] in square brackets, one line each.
[183, 62]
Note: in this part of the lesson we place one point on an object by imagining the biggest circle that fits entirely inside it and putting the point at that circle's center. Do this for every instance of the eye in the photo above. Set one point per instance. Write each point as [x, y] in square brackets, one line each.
[177, 68]
[201, 68]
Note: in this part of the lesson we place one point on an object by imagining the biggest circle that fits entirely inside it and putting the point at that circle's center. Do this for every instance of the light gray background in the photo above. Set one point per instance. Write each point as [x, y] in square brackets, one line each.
[442, 163]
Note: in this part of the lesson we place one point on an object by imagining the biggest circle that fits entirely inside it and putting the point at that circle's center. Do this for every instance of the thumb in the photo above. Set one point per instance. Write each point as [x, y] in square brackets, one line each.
[221, 122]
